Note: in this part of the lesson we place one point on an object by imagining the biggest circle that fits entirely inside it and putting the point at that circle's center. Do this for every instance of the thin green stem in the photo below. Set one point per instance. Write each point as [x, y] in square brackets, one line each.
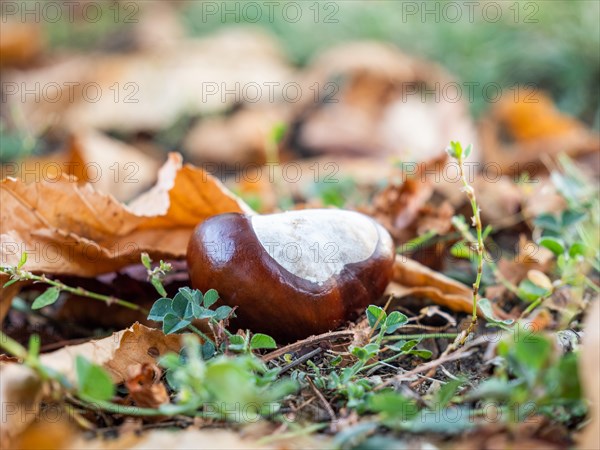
[108, 299]
[531, 307]
[466, 234]
[200, 333]
[92, 404]
[479, 245]
[479, 228]
[13, 347]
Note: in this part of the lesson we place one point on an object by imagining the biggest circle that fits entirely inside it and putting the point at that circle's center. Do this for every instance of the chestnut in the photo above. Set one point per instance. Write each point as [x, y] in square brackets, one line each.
[295, 273]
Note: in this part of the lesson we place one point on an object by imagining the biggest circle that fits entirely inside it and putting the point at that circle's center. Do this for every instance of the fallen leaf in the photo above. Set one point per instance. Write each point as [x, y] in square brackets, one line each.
[112, 166]
[398, 206]
[413, 278]
[21, 391]
[70, 229]
[140, 345]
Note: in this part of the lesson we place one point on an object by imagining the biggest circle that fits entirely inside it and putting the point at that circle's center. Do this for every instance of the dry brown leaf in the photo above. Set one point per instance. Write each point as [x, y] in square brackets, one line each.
[112, 166]
[398, 206]
[413, 278]
[537, 129]
[140, 345]
[589, 364]
[145, 387]
[135, 345]
[21, 390]
[70, 229]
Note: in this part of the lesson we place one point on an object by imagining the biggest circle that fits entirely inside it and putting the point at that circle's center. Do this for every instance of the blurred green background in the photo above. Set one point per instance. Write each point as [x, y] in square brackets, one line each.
[554, 44]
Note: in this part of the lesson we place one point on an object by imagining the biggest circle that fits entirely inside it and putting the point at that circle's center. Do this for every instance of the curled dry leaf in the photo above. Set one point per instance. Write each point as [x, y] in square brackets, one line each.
[70, 229]
[112, 166]
[413, 278]
[21, 391]
[139, 345]
[589, 364]
[145, 387]
[397, 206]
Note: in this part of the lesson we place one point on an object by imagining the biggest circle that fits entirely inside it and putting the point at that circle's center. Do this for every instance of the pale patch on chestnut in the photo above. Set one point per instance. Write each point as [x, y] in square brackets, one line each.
[317, 244]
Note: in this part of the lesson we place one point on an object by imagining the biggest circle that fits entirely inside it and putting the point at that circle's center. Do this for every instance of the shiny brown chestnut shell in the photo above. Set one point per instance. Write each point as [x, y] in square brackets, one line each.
[225, 253]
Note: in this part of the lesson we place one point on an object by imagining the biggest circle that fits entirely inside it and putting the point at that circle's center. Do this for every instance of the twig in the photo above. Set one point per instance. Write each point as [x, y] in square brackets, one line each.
[330, 336]
[300, 360]
[323, 400]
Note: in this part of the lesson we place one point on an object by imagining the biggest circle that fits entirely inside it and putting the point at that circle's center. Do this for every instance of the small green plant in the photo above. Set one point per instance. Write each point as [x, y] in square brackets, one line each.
[177, 313]
[157, 274]
[456, 151]
[530, 379]
[572, 236]
[239, 388]
[352, 382]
